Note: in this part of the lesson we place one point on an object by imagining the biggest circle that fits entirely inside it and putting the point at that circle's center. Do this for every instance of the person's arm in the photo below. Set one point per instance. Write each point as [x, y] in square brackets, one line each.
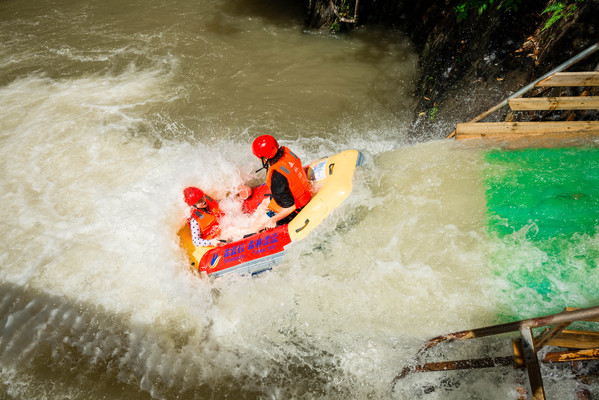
[281, 194]
[272, 222]
[196, 235]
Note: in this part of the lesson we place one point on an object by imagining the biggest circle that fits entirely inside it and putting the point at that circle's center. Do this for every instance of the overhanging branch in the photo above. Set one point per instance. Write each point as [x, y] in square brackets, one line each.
[354, 20]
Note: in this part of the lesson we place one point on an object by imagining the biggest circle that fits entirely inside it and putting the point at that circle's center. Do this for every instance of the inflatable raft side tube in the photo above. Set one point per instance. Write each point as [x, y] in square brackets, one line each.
[199, 253]
[253, 267]
[194, 254]
[337, 186]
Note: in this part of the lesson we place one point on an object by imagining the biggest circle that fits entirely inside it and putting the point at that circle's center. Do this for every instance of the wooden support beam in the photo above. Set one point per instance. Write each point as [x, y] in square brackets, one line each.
[571, 79]
[514, 130]
[578, 355]
[554, 103]
[575, 340]
[544, 337]
[519, 361]
[532, 364]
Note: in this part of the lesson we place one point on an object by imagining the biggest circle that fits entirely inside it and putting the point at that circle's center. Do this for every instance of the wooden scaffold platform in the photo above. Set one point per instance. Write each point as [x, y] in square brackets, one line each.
[570, 131]
[571, 346]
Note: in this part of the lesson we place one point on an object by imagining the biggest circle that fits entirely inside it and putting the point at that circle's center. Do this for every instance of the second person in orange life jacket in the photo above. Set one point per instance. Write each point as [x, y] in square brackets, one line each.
[287, 181]
[203, 221]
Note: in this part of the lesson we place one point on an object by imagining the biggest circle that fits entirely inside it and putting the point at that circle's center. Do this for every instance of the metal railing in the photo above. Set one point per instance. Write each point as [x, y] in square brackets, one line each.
[525, 351]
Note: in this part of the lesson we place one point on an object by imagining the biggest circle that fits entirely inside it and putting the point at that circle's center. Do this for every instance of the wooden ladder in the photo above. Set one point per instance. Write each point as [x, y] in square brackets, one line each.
[577, 346]
[545, 133]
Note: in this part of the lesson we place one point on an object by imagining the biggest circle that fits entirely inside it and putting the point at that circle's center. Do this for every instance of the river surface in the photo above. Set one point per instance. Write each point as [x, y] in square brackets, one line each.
[109, 109]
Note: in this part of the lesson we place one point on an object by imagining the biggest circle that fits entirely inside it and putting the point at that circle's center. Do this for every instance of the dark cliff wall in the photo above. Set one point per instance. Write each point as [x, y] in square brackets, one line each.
[469, 66]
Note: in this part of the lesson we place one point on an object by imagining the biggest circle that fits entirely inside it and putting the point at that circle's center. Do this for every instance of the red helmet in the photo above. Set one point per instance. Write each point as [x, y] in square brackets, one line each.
[192, 195]
[265, 146]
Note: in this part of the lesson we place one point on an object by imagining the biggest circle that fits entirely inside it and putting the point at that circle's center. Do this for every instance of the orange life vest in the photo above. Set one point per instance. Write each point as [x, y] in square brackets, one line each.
[291, 167]
[208, 221]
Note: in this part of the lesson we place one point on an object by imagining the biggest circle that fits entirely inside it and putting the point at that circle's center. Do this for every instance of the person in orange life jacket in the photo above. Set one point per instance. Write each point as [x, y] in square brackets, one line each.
[203, 221]
[287, 181]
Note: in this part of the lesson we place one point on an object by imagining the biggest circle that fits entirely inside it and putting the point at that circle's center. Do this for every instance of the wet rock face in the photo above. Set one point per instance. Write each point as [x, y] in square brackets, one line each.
[471, 65]
[468, 66]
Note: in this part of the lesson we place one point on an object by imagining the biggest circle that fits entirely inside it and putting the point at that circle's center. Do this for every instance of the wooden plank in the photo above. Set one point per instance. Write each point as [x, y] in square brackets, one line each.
[484, 129]
[554, 103]
[540, 141]
[590, 78]
[532, 364]
[565, 356]
[518, 353]
[575, 339]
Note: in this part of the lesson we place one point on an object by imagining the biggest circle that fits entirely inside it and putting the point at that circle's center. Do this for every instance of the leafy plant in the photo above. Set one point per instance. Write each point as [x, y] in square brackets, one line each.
[335, 27]
[433, 112]
[559, 10]
[480, 6]
[344, 9]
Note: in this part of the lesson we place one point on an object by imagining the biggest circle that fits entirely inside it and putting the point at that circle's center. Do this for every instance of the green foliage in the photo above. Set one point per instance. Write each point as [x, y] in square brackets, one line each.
[344, 9]
[335, 27]
[432, 113]
[560, 9]
[480, 6]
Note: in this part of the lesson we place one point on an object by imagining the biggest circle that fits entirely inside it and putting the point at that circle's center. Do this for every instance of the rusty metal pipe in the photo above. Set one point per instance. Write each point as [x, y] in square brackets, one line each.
[477, 363]
[553, 319]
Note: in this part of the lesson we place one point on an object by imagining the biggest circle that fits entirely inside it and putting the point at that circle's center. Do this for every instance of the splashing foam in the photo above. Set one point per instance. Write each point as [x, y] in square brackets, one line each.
[92, 206]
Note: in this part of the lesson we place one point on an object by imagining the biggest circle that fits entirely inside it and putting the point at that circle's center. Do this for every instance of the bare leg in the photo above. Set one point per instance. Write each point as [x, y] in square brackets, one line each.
[260, 217]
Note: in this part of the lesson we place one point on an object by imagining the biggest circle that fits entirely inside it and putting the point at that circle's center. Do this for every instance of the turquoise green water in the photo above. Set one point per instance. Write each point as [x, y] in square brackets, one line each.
[543, 210]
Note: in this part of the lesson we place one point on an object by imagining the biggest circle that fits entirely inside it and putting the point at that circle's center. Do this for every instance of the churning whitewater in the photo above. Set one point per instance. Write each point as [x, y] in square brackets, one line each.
[109, 109]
